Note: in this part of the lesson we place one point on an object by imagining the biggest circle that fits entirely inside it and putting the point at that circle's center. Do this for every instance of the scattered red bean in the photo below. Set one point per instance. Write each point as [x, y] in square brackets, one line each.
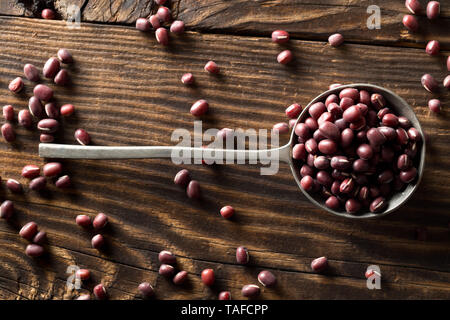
[35, 107]
[83, 220]
[250, 291]
[434, 105]
[162, 36]
[38, 183]
[281, 127]
[62, 77]
[16, 85]
[177, 27]
[413, 6]
[227, 212]
[63, 182]
[182, 178]
[100, 292]
[154, 20]
[48, 14]
[40, 237]
[34, 250]
[199, 108]
[14, 186]
[188, 78]
[52, 169]
[280, 36]
[242, 255]
[267, 278]
[51, 110]
[212, 67]
[31, 72]
[446, 82]
[378, 205]
[51, 68]
[433, 47]
[8, 112]
[30, 171]
[65, 56]
[100, 221]
[193, 190]
[48, 125]
[97, 241]
[164, 14]
[29, 230]
[429, 83]
[180, 278]
[8, 132]
[166, 270]
[83, 274]
[336, 40]
[167, 257]
[225, 295]
[143, 24]
[6, 209]
[411, 23]
[43, 92]
[82, 137]
[67, 110]
[208, 277]
[284, 57]
[146, 290]
[433, 10]
[293, 111]
[319, 264]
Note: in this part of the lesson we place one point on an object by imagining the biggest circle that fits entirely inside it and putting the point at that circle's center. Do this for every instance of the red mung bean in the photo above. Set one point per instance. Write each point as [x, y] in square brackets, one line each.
[167, 257]
[143, 24]
[182, 178]
[51, 110]
[227, 212]
[97, 241]
[8, 132]
[146, 290]
[38, 183]
[35, 107]
[63, 182]
[31, 72]
[193, 190]
[177, 27]
[335, 40]
[212, 67]
[284, 57]
[280, 36]
[100, 292]
[433, 10]
[65, 56]
[8, 112]
[267, 278]
[46, 138]
[164, 14]
[83, 220]
[433, 47]
[66, 110]
[43, 92]
[429, 83]
[180, 278]
[413, 6]
[82, 137]
[160, 2]
[6, 209]
[14, 186]
[51, 68]
[199, 108]
[52, 169]
[29, 230]
[34, 250]
[48, 125]
[83, 274]
[208, 277]
[242, 255]
[411, 23]
[434, 105]
[293, 111]
[162, 36]
[250, 291]
[62, 77]
[16, 85]
[30, 171]
[84, 297]
[154, 20]
[166, 270]
[48, 14]
[100, 221]
[40, 237]
[281, 127]
[307, 183]
[225, 295]
[188, 78]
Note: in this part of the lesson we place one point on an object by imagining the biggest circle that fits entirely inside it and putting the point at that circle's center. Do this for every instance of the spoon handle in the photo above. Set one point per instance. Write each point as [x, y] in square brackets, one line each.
[66, 151]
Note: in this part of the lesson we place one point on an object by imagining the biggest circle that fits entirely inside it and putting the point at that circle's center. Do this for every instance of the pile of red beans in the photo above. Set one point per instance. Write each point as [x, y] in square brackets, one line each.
[355, 151]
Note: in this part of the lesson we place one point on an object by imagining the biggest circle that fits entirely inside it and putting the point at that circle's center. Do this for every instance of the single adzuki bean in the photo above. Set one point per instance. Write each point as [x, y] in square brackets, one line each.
[352, 206]
[154, 20]
[180, 278]
[250, 291]
[446, 82]
[429, 83]
[8, 112]
[177, 27]
[8, 132]
[433, 10]
[199, 108]
[52, 169]
[378, 205]
[335, 40]
[82, 137]
[63, 182]
[208, 277]
[43, 92]
[280, 36]
[162, 36]
[83, 220]
[6, 209]
[40, 237]
[14, 186]
[48, 14]
[30, 171]
[409, 175]
[293, 111]
[413, 6]
[100, 221]
[193, 190]
[83, 274]
[411, 23]
[332, 202]
[62, 77]
[97, 241]
[242, 255]
[182, 178]
[16, 85]
[35, 107]
[48, 125]
[51, 68]
[225, 295]
[284, 57]
[167, 257]
[65, 56]
[100, 292]
[433, 47]
[38, 183]
[66, 110]
[31, 72]
[29, 230]
[281, 127]
[212, 67]
[188, 78]
[434, 105]
[319, 264]
[143, 24]
[267, 278]
[51, 110]
[164, 14]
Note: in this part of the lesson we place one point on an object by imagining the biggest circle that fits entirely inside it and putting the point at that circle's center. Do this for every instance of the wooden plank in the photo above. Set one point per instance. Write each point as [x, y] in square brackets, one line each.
[314, 20]
[127, 91]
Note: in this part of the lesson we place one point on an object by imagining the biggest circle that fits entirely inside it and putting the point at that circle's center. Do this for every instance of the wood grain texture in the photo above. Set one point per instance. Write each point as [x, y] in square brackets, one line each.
[304, 19]
[127, 91]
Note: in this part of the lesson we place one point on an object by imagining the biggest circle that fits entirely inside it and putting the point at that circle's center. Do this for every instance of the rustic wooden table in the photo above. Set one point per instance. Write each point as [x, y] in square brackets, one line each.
[127, 91]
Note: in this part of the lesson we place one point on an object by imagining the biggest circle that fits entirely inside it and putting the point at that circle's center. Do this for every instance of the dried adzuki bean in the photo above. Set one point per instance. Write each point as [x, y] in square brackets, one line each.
[62, 78]
[335, 40]
[162, 36]
[51, 110]
[46, 138]
[143, 24]
[65, 56]
[48, 125]
[34, 250]
[37, 184]
[433, 47]
[48, 14]
[434, 105]
[225, 295]
[429, 83]
[180, 278]
[43, 92]
[97, 241]
[51, 68]
[267, 278]
[31, 72]
[208, 277]
[281, 127]
[164, 14]
[8, 112]
[227, 212]
[293, 111]
[319, 264]
[433, 10]
[29, 230]
[182, 178]
[413, 6]
[250, 291]
[177, 27]
[16, 85]
[199, 108]
[411, 23]
[284, 57]
[83, 274]
[8, 132]
[280, 36]
[63, 182]
[6, 209]
[100, 221]
[242, 255]
[378, 205]
[193, 190]
[100, 292]
[83, 220]
[14, 186]
[40, 237]
[167, 257]
[188, 78]
[446, 82]
[66, 110]
[82, 137]
[146, 290]
[52, 169]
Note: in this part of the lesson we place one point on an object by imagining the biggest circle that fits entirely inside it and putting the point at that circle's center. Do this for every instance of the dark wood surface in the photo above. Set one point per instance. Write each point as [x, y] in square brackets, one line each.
[127, 91]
